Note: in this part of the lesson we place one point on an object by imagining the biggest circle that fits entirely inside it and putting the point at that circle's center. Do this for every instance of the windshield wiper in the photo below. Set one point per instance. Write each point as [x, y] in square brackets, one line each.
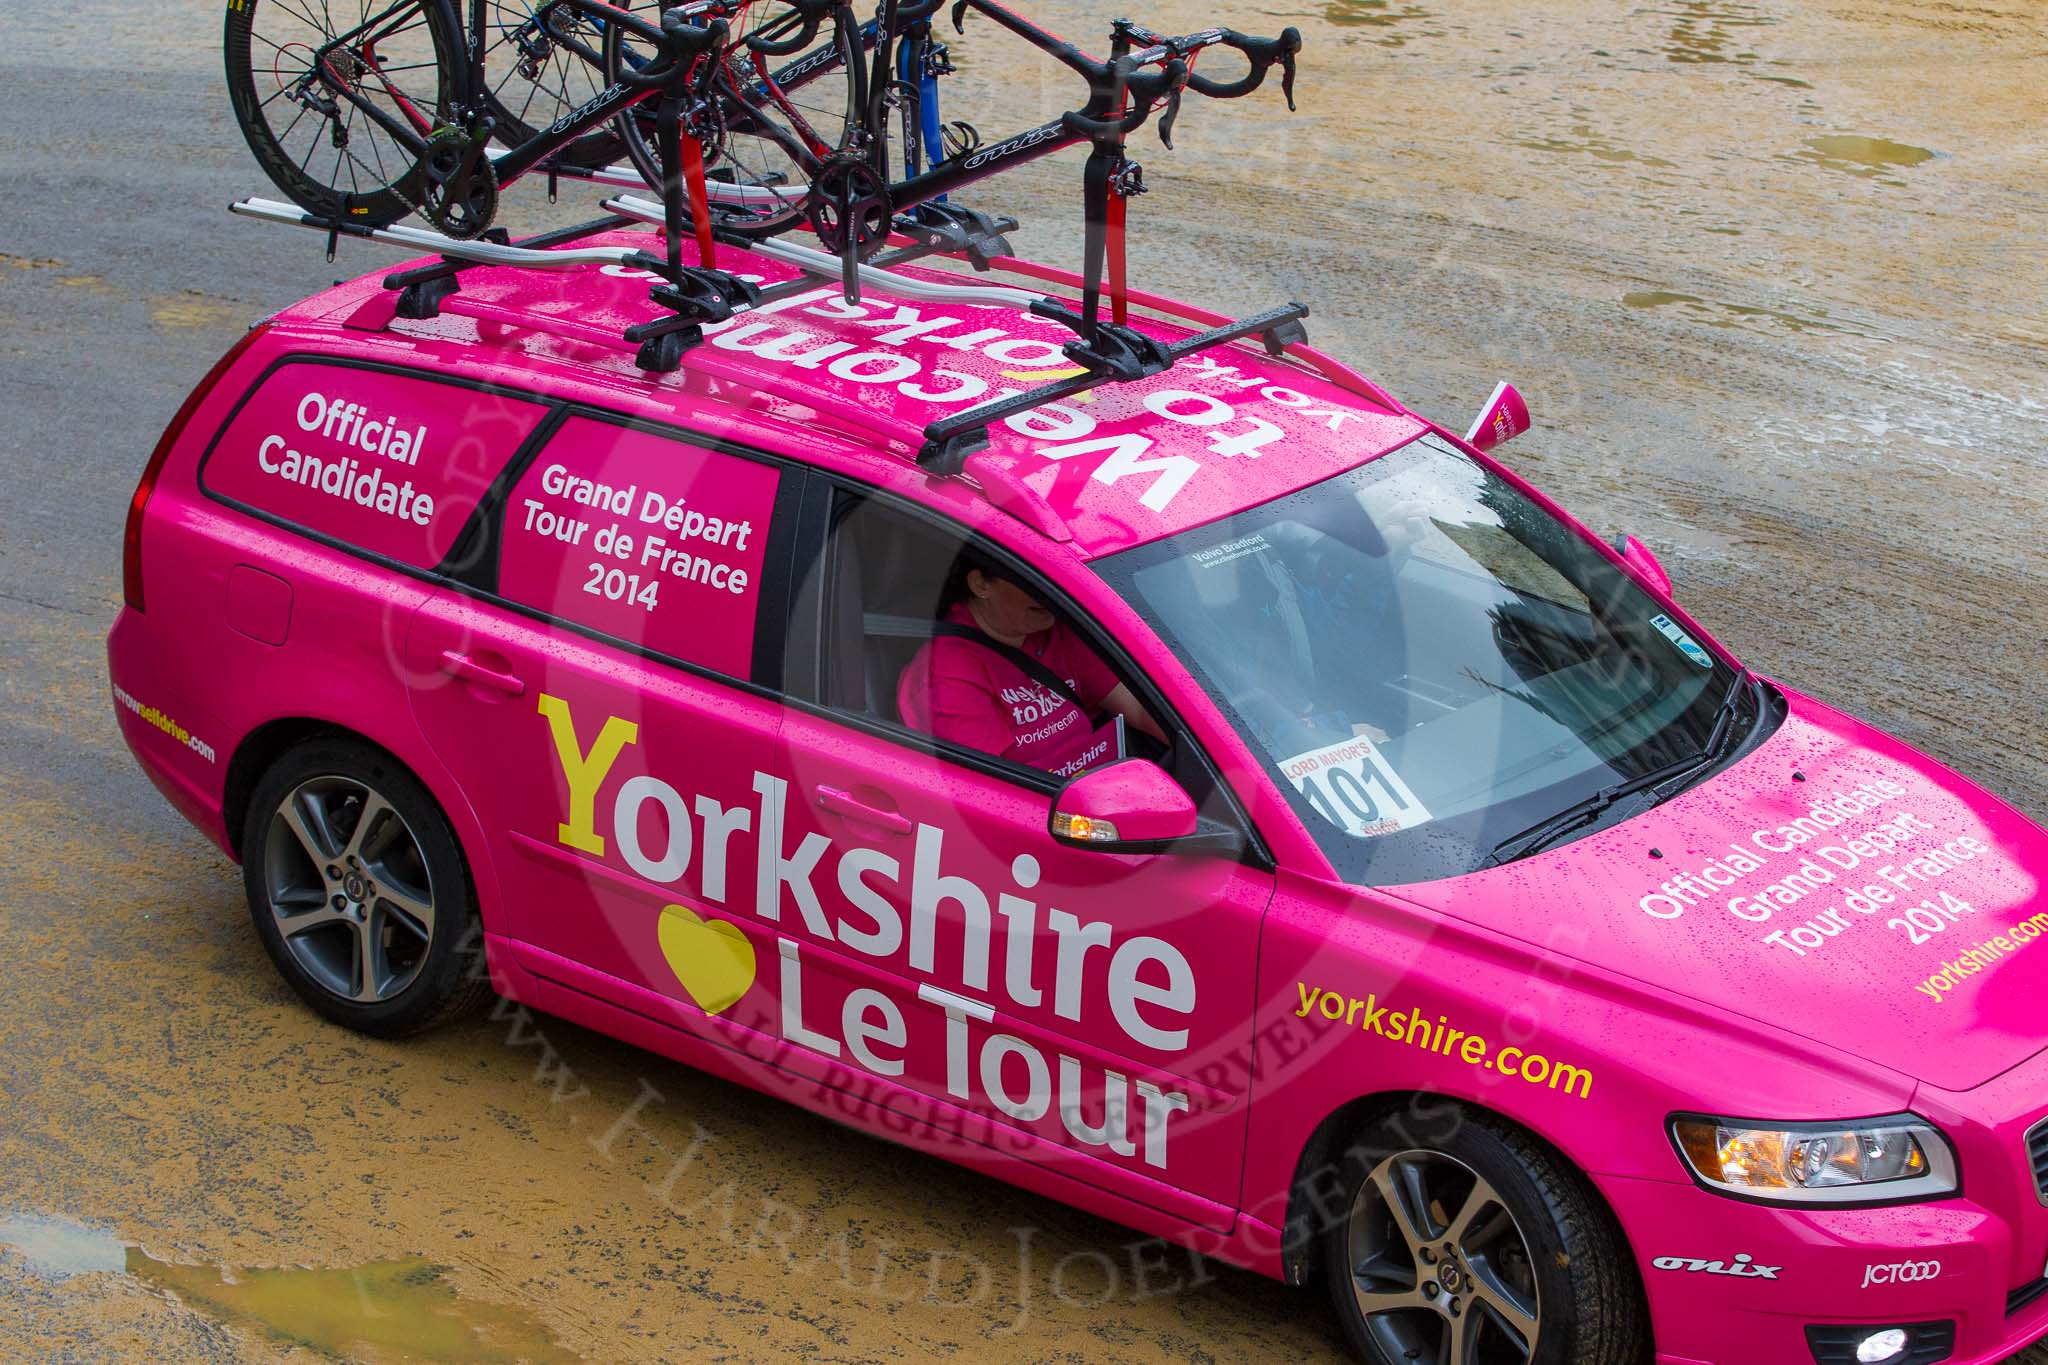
[1580, 813]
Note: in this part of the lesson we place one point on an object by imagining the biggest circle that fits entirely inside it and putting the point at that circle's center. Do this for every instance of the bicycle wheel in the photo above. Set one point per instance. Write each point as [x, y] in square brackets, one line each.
[544, 61]
[775, 121]
[292, 67]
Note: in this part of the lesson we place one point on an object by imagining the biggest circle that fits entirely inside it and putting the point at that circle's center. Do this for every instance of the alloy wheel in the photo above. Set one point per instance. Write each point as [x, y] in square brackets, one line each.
[347, 883]
[1439, 1267]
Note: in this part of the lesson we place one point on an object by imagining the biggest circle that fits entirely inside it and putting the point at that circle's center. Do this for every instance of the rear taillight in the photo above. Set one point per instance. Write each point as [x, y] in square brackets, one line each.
[131, 538]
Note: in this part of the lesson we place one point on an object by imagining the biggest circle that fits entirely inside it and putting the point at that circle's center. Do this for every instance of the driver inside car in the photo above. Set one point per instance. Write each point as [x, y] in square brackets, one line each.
[1004, 676]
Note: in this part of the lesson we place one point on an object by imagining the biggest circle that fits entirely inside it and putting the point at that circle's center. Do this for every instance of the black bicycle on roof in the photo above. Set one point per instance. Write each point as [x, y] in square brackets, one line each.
[390, 109]
[389, 114]
[713, 91]
[853, 205]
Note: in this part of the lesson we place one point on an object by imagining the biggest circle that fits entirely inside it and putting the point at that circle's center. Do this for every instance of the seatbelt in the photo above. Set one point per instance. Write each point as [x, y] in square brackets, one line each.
[1032, 668]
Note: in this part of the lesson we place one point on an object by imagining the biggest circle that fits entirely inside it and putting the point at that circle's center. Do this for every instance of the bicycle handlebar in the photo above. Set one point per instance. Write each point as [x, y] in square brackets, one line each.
[1145, 88]
[1159, 70]
[811, 16]
[683, 40]
[1127, 76]
[910, 12]
[1263, 54]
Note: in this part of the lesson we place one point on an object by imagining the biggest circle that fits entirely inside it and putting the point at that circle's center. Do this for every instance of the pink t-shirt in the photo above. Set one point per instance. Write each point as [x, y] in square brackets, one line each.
[961, 691]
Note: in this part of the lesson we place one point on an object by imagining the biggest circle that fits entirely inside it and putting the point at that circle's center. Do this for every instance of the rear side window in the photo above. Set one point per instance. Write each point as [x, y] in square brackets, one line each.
[642, 536]
[388, 463]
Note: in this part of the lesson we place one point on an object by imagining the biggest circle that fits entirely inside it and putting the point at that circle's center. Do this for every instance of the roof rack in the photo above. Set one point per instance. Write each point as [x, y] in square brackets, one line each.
[1117, 355]
[1108, 353]
[701, 296]
[694, 295]
[876, 272]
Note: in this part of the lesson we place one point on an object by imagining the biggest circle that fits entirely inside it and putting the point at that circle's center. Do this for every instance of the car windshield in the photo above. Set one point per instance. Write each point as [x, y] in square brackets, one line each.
[1427, 661]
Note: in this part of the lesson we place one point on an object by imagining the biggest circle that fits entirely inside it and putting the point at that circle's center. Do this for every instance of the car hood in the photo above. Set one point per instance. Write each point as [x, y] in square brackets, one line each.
[1834, 884]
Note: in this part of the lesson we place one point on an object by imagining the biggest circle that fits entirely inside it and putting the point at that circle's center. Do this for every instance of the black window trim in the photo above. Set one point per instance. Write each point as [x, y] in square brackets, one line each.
[470, 567]
[803, 684]
[440, 572]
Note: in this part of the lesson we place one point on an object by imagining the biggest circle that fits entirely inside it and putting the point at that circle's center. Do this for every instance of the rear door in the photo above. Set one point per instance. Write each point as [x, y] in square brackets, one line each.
[594, 691]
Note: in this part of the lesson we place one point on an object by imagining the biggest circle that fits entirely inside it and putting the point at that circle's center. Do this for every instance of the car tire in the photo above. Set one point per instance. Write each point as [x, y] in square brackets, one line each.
[359, 890]
[1483, 1232]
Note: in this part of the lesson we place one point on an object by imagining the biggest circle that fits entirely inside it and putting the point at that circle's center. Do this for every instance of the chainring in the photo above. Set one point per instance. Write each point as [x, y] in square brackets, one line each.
[460, 200]
[850, 201]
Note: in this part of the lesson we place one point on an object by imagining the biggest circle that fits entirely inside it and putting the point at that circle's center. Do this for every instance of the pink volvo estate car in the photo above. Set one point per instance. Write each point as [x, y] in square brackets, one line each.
[1233, 804]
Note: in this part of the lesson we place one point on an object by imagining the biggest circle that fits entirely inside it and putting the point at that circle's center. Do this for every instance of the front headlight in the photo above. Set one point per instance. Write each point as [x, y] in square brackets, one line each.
[1866, 1161]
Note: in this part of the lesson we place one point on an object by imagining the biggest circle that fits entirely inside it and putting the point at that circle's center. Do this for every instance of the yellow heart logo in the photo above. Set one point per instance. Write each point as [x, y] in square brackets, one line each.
[712, 958]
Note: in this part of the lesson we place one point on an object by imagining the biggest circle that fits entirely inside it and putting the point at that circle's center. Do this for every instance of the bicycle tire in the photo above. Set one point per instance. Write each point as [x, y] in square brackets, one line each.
[532, 78]
[374, 189]
[770, 177]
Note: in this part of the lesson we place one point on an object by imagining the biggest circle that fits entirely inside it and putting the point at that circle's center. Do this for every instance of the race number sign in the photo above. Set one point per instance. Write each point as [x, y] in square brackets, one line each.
[1352, 785]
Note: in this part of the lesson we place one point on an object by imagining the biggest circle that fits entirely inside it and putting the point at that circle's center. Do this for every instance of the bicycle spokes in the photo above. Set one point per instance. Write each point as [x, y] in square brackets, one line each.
[337, 98]
[542, 59]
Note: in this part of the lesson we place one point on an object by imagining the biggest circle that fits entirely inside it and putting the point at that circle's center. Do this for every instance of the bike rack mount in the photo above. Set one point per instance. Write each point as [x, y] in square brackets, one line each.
[1115, 355]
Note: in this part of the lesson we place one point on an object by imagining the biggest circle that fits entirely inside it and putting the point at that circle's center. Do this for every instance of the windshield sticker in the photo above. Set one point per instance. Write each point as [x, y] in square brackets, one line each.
[1687, 646]
[1352, 785]
[1232, 549]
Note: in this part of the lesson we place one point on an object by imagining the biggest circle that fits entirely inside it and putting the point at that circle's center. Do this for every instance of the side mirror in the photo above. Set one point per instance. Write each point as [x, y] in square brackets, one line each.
[1637, 556]
[1504, 417]
[1130, 806]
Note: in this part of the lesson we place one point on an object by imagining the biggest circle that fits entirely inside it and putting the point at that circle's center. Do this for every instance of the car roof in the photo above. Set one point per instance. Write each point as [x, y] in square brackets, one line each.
[813, 378]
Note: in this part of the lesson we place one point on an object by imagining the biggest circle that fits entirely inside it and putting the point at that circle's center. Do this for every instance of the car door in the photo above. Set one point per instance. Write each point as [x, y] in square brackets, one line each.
[592, 689]
[1086, 1010]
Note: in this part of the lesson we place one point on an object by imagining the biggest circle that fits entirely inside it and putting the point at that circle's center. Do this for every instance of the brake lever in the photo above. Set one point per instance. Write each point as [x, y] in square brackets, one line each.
[960, 16]
[1166, 119]
[1287, 78]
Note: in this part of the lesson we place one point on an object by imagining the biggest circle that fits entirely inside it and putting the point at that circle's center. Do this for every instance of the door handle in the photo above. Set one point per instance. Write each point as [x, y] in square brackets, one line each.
[840, 801]
[460, 665]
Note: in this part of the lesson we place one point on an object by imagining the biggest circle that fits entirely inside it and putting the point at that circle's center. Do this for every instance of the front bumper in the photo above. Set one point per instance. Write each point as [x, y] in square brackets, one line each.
[1831, 1267]
[1978, 1259]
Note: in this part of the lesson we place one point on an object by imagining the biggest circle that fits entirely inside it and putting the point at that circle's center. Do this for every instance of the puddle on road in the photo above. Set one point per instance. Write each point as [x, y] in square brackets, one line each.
[1745, 316]
[186, 309]
[57, 1249]
[1380, 14]
[1868, 157]
[386, 1311]
[1585, 141]
[1709, 32]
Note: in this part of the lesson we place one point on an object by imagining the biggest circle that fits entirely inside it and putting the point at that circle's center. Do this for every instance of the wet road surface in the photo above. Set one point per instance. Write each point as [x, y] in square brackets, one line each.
[1770, 275]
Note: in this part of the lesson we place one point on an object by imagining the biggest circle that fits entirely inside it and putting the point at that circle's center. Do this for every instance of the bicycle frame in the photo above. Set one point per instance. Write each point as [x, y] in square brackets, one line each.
[592, 114]
[935, 181]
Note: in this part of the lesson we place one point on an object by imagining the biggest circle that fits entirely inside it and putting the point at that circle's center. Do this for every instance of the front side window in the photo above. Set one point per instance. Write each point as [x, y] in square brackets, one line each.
[948, 639]
[1428, 663]
[644, 537]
